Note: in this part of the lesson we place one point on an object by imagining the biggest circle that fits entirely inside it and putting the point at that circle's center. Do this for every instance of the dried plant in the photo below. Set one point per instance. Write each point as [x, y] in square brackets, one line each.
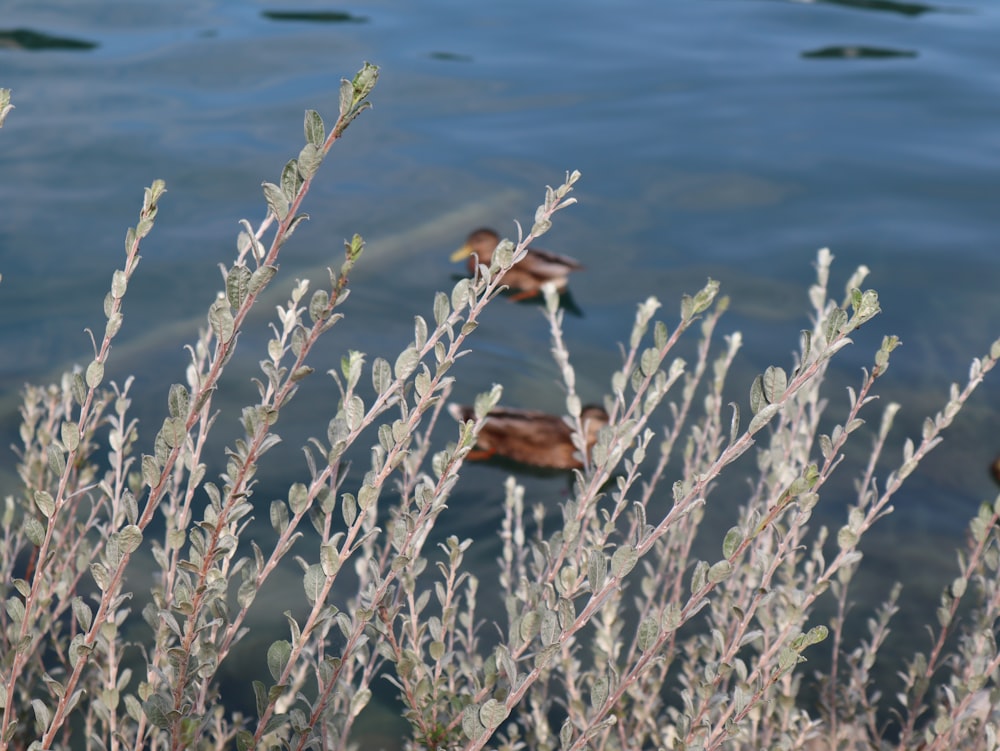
[615, 636]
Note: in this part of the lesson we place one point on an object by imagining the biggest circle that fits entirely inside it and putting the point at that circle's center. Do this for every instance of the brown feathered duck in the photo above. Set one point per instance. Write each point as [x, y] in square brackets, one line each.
[535, 438]
[526, 276]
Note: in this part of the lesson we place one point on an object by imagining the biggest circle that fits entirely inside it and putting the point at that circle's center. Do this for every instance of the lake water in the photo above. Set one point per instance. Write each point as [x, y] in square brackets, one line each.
[723, 138]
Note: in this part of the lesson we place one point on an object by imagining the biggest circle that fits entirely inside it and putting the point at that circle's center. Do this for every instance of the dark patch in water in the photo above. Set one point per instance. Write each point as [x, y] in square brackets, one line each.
[885, 6]
[451, 57]
[27, 39]
[329, 16]
[851, 51]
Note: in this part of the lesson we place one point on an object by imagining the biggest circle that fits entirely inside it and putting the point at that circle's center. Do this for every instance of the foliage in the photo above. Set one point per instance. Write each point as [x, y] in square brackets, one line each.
[615, 635]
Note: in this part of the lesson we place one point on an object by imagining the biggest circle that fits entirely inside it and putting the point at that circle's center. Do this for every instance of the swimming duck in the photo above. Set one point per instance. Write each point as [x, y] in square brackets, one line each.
[527, 275]
[530, 437]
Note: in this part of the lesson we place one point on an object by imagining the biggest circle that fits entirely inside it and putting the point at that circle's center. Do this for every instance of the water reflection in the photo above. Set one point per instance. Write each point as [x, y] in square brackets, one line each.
[885, 6]
[332, 16]
[853, 51]
[32, 41]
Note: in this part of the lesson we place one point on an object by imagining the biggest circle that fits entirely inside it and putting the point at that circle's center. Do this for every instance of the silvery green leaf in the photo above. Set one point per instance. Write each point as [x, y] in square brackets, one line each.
[359, 700]
[178, 401]
[114, 325]
[441, 308]
[566, 734]
[130, 538]
[298, 498]
[365, 80]
[329, 559]
[834, 324]
[354, 410]
[346, 96]
[95, 374]
[623, 560]
[787, 659]
[33, 530]
[367, 495]
[45, 503]
[597, 570]
[731, 542]
[757, 399]
[238, 285]
[846, 538]
[406, 363]
[15, 609]
[119, 283]
[314, 129]
[319, 305]
[492, 713]
[221, 319]
[763, 417]
[471, 725]
[100, 574]
[260, 277]
[276, 200]
[719, 572]
[774, 383]
[381, 376]
[277, 658]
[82, 613]
[599, 692]
[57, 462]
[291, 180]
[70, 434]
[529, 626]
[419, 332]
[486, 401]
[649, 632]
[460, 294]
[279, 516]
[314, 582]
[310, 159]
[42, 714]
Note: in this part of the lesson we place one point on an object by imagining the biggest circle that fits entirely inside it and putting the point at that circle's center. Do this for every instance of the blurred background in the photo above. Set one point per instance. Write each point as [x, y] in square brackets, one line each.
[722, 138]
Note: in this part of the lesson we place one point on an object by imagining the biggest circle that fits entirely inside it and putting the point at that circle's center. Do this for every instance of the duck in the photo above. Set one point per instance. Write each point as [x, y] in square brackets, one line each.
[534, 438]
[526, 276]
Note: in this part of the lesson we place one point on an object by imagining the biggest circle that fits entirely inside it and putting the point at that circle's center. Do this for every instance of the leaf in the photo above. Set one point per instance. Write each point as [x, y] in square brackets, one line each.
[70, 434]
[314, 581]
[310, 159]
[649, 631]
[46, 504]
[720, 571]
[33, 530]
[774, 383]
[314, 129]
[238, 285]
[220, 317]
[178, 401]
[276, 200]
[260, 278]
[731, 542]
[277, 658]
[359, 700]
[623, 560]
[406, 363]
[95, 374]
[597, 570]
[130, 538]
[298, 498]
[492, 713]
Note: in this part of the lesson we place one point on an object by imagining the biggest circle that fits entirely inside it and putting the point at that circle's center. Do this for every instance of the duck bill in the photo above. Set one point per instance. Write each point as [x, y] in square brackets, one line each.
[464, 252]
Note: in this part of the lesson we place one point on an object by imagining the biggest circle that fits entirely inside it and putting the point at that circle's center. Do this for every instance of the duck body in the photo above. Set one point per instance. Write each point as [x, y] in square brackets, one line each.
[527, 275]
[529, 437]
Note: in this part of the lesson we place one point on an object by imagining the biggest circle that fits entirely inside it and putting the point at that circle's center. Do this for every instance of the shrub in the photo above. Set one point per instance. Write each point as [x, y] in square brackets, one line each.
[615, 635]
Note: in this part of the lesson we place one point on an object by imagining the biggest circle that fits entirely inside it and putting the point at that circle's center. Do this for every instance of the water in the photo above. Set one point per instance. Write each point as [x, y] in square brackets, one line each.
[721, 138]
